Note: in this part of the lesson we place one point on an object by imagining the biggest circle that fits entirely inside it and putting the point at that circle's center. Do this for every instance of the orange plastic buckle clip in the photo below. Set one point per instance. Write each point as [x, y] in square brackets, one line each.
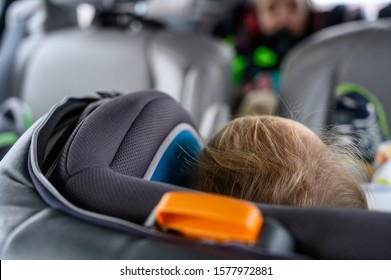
[209, 217]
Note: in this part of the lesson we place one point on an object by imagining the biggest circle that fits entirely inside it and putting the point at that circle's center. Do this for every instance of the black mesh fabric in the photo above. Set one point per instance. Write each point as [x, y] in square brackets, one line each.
[98, 140]
[101, 165]
[145, 135]
[103, 190]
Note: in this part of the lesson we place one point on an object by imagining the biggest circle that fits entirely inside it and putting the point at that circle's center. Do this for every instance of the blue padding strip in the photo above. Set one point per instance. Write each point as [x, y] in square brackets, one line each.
[178, 159]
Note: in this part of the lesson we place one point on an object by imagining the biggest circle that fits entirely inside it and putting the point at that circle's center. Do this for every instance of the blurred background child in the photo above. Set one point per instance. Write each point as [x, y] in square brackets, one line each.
[262, 32]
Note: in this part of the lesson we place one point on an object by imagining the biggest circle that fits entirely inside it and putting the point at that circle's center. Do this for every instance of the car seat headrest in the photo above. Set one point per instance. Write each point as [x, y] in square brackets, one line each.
[98, 4]
[122, 144]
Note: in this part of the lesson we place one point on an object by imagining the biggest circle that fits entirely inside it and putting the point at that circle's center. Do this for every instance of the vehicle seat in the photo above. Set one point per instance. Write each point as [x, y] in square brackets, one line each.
[76, 62]
[30, 19]
[356, 52]
[3, 10]
[42, 219]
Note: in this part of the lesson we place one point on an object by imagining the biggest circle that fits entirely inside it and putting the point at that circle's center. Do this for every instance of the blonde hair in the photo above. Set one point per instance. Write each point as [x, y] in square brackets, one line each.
[274, 160]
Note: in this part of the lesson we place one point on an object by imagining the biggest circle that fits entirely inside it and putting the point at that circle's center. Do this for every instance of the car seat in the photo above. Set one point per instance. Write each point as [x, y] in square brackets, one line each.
[75, 187]
[27, 19]
[385, 12]
[75, 62]
[356, 52]
[3, 8]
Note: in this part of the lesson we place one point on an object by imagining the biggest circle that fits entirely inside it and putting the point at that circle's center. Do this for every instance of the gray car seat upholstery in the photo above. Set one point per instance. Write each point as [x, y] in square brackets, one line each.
[76, 62]
[27, 19]
[33, 229]
[358, 52]
[30, 229]
[4, 4]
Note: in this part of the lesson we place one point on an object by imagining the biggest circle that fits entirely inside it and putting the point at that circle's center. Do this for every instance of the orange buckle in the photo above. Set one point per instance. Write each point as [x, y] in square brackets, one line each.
[203, 216]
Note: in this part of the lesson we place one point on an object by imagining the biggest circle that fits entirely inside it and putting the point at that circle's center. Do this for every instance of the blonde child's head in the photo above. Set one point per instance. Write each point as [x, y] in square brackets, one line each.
[274, 160]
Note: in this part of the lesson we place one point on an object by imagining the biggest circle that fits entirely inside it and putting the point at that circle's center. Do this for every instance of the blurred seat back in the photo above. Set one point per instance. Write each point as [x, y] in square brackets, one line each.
[4, 4]
[385, 12]
[78, 62]
[27, 21]
[358, 52]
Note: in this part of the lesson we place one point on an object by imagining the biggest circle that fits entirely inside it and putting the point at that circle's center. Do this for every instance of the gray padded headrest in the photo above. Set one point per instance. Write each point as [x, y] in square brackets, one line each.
[98, 4]
[357, 52]
[120, 148]
[42, 16]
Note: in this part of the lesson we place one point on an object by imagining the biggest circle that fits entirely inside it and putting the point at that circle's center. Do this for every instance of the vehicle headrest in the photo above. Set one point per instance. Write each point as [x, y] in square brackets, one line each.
[348, 53]
[41, 16]
[118, 149]
[98, 4]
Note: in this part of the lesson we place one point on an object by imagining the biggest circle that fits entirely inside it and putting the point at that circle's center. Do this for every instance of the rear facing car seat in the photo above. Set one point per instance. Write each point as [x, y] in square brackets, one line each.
[58, 211]
[138, 141]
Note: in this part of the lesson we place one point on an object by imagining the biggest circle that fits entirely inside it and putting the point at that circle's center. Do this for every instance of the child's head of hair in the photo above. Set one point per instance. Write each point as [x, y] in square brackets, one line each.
[274, 160]
[276, 15]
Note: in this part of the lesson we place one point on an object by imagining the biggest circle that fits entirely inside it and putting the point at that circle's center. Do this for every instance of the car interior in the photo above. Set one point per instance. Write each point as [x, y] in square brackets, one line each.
[111, 116]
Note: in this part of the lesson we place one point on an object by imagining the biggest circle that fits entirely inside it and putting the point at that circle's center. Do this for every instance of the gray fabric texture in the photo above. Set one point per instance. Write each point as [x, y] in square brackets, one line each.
[113, 147]
[30, 229]
[357, 52]
[99, 4]
[73, 63]
[194, 70]
[27, 19]
[12, 37]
